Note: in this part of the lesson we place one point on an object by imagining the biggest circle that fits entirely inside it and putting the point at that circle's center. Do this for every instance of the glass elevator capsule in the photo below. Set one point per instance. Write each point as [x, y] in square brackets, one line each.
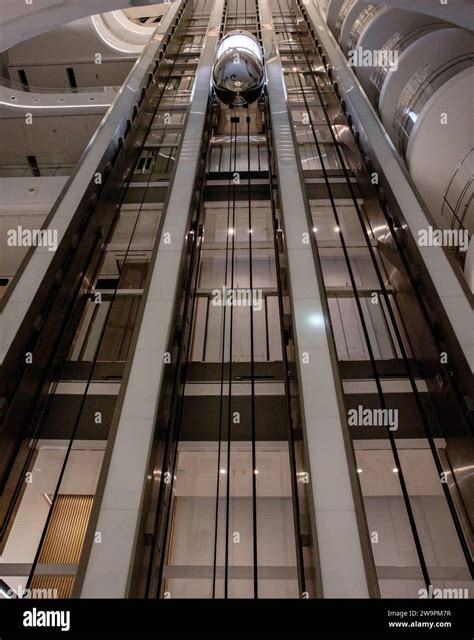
[238, 76]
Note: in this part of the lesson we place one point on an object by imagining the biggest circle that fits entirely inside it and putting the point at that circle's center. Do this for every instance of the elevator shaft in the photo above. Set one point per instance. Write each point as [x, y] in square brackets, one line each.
[231, 346]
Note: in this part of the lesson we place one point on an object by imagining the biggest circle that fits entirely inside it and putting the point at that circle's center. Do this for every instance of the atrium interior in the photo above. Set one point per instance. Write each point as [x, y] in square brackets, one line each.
[236, 299]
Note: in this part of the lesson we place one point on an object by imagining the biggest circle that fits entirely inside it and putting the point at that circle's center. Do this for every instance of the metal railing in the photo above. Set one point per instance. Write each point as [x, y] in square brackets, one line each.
[28, 88]
[42, 171]
[459, 194]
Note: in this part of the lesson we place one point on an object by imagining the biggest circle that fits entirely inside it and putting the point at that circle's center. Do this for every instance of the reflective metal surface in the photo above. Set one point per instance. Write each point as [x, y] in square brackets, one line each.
[238, 75]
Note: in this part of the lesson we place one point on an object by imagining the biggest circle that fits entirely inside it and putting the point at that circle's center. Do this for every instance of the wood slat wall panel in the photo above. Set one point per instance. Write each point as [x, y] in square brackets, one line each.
[63, 541]
[60, 586]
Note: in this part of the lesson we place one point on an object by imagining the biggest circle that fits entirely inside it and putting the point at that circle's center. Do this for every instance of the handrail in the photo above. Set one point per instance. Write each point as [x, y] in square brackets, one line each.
[25, 170]
[18, 86]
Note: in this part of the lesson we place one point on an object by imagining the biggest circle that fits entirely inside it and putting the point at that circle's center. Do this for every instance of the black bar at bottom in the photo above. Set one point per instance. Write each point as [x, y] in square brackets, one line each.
[434, 618]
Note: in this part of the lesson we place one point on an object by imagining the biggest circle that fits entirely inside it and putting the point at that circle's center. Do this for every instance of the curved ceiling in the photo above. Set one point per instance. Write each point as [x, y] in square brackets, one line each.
[120, 33]
[459, 12]
[14, 102]
[21, 21]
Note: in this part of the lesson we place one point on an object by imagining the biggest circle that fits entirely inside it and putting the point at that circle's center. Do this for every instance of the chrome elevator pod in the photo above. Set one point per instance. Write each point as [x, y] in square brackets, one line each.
[238, 76]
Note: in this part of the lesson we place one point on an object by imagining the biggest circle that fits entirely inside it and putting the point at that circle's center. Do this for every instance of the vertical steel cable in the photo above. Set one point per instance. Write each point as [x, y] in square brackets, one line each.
[222, 357]
[229, 398]
[252, 375]
[231, 328]
[222, 374]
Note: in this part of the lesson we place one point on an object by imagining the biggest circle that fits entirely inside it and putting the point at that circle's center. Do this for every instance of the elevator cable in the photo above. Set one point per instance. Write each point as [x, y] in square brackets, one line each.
[229, 398]
[222, 368]
[222, 372]
[252, 370]
[232, 231]
[222, 353]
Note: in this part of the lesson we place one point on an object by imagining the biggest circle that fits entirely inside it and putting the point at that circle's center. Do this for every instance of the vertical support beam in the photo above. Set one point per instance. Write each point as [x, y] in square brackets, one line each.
[123, 476]
[335, 492]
